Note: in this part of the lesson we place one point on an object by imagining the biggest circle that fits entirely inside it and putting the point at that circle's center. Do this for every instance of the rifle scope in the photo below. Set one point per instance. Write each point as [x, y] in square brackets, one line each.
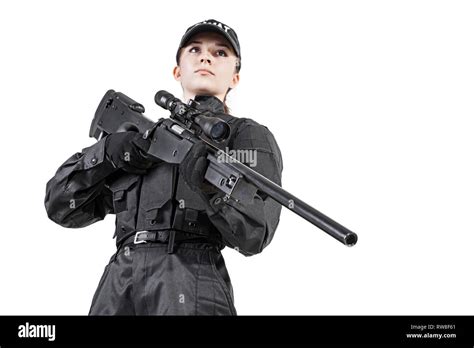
[212, 126]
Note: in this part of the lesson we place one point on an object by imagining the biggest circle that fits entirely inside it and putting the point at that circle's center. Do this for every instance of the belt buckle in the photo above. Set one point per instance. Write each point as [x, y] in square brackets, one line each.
[135, 241]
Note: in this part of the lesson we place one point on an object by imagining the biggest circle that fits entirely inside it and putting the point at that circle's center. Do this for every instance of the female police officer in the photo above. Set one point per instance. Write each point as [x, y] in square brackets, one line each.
[170, 224]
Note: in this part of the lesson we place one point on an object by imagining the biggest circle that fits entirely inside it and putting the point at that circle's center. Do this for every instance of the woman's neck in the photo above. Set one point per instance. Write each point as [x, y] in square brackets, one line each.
[189, 95]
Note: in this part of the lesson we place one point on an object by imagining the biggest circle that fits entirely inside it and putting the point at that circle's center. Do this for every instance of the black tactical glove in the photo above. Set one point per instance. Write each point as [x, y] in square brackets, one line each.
[127, 150]
[194, 165]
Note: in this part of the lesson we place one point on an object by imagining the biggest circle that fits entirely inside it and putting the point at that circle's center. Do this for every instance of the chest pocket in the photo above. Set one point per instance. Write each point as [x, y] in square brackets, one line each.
[156, 200]
[187, 198]
[191, 213]
[124, 193]
[124, 197]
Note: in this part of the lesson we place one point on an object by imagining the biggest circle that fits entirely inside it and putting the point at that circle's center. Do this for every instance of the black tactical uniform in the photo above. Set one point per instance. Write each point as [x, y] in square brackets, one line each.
[176, 268]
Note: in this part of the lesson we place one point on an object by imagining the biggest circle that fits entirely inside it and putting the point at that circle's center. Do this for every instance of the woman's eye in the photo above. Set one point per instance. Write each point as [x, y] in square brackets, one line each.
[194, 49]
[221, 53]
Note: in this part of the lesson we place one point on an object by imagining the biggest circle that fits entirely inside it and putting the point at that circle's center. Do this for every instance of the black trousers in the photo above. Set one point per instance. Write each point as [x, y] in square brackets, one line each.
[143, 279]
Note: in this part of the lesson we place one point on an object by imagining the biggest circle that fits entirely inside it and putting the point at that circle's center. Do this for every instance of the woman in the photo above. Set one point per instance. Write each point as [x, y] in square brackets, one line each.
[170, 224]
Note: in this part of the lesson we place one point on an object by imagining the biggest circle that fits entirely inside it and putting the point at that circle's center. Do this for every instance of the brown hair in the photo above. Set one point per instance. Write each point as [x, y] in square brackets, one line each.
[237, 69]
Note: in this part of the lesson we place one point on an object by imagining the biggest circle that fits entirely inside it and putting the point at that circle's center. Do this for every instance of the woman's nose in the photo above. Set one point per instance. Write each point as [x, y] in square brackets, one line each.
[206, 57]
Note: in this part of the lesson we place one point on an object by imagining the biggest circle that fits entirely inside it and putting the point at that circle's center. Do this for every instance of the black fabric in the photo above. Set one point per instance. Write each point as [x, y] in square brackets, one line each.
[127, 151]
[143, 279]
[88, 186]
[209, 102]
[194, 165]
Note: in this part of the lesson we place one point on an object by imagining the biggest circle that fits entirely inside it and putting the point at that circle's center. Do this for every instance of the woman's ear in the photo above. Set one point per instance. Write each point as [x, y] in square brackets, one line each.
[177, 73]
[235, 80]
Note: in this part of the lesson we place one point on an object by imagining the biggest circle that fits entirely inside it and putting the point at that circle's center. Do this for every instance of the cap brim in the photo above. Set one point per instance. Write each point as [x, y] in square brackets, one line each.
[209, 27]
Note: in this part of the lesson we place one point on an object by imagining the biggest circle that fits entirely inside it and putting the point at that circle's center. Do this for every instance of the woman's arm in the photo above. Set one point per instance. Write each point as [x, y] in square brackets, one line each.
[249, 226]
[77, 195]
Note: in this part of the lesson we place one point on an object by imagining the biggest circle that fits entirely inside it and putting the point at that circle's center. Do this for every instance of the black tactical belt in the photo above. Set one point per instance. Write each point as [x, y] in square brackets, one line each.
[151, 236]
[161, 236]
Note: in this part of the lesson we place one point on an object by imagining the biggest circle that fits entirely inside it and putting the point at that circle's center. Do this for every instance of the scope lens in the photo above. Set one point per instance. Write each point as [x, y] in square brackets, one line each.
[219, 131]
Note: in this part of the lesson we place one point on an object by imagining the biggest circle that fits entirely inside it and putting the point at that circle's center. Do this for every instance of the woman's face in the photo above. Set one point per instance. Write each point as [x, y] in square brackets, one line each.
[207, 66]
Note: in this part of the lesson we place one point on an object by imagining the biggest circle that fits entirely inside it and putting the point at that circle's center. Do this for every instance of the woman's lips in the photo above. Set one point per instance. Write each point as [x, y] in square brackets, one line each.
[204, 72]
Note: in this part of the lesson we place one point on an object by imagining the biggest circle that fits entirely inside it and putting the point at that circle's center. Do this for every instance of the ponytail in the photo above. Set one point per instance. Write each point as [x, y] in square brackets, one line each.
[237, 69]
[226, 108]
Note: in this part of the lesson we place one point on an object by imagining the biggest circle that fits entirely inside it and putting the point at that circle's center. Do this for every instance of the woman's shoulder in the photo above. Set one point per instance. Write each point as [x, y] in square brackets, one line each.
[248, 133]
[246, 123]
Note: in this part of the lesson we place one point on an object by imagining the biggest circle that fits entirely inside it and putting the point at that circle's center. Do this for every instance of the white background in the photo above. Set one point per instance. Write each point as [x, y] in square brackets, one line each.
[371, 103]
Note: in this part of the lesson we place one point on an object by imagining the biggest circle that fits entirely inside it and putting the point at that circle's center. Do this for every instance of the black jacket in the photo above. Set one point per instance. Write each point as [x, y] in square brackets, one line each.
[87, 187]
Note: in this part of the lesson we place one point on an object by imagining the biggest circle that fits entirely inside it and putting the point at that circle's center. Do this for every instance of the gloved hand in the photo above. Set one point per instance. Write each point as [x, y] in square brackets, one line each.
[194, 165]
[127, 150]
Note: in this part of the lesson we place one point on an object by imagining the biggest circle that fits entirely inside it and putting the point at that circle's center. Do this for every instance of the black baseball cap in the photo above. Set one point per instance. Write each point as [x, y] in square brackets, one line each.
[214, 26]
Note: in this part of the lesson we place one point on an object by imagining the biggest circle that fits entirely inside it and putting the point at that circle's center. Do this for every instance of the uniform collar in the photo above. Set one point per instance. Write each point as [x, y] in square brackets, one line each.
[209, 103]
